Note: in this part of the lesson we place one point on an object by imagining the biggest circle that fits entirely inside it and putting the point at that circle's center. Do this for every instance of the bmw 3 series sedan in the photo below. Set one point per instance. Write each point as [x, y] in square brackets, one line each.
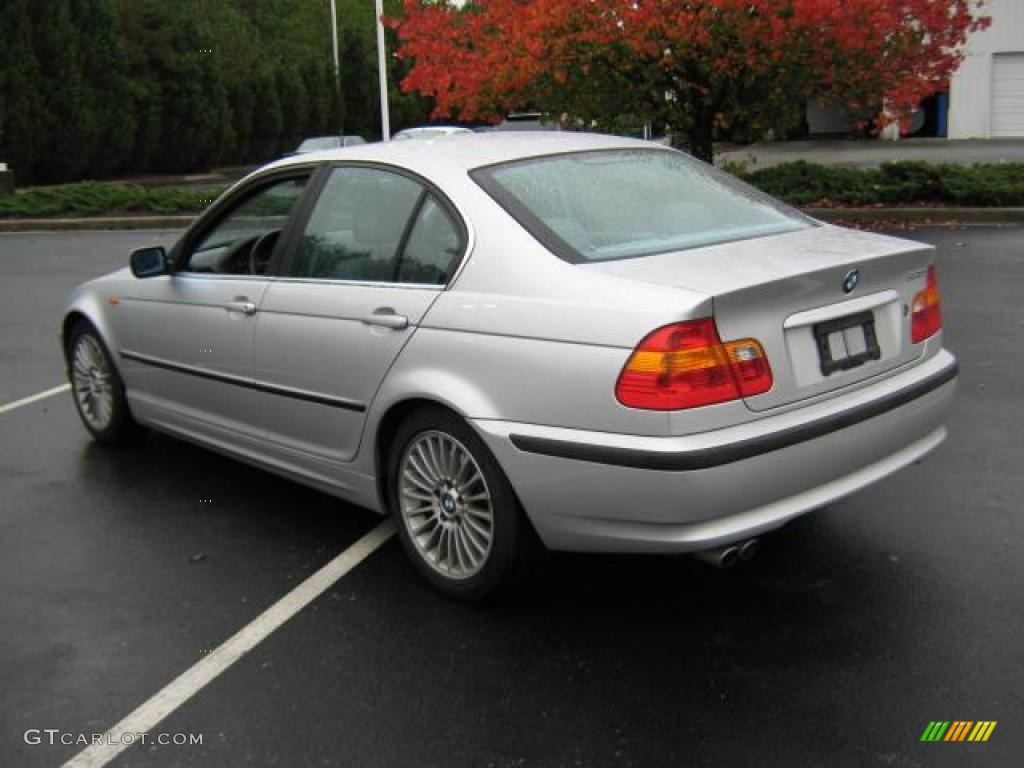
[519, 342]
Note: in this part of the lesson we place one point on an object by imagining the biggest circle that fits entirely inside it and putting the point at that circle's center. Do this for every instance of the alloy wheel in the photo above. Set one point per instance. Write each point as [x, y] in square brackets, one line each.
[91, 380]
[446, 505]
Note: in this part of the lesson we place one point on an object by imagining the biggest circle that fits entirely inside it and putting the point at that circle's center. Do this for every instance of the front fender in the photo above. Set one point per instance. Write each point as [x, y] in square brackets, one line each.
[94, 301]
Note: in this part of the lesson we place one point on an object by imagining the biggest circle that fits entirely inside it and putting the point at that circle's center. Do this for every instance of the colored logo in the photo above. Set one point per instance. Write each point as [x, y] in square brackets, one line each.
[958, 730]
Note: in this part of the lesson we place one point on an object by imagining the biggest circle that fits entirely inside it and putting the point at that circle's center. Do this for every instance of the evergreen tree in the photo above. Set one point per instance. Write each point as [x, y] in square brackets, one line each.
[294, 106]
[269, 122]
[357, 79]
[323, 99]
[242, 102]
[93, 88]
[23, 107]
[109, 87]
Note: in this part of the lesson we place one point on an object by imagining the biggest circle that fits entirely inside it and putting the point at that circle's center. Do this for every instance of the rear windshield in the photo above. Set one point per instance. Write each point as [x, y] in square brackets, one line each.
[620, 204]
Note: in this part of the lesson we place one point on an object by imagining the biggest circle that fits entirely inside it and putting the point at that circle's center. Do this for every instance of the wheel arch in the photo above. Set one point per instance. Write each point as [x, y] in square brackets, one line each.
[73, 317]
[86, 309]
[388, 425]
[414, 382]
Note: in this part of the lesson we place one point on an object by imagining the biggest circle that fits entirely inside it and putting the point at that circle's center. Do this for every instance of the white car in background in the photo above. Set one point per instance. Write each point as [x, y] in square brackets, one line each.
[429, 132]
[319, 143]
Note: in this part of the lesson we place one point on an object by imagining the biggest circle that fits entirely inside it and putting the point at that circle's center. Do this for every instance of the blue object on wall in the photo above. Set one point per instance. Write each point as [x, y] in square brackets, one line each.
[942, 114]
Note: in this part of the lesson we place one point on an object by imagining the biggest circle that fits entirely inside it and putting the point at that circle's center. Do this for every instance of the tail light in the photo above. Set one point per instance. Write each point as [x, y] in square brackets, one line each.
[926, 311]
[686, 365]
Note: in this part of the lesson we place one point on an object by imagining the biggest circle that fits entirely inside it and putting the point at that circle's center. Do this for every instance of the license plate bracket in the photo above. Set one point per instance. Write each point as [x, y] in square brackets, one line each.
[825, 336]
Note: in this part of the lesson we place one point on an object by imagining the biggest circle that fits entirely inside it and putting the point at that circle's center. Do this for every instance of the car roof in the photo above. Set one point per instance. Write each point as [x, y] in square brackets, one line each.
[466, 151]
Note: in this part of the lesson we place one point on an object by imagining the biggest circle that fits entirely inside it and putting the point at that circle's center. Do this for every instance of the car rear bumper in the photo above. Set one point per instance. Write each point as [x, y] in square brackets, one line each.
[595, 491]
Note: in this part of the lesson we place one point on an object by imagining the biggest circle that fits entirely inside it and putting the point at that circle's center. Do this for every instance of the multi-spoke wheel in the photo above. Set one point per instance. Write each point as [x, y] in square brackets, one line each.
[90, 380]
[446, 504]
[97, 387]
[459, 520]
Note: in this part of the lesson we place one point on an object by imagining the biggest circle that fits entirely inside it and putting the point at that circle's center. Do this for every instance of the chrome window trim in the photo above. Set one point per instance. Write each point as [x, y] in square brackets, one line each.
[467, 254]
[315, 280]
[219, 276]
[364, 283]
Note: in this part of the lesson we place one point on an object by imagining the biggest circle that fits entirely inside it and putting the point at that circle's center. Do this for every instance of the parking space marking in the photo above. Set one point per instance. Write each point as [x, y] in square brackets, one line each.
[34, 398]
[194, 679]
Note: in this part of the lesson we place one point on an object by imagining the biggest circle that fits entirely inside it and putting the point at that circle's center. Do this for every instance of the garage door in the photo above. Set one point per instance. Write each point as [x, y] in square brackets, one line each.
[1008, 94]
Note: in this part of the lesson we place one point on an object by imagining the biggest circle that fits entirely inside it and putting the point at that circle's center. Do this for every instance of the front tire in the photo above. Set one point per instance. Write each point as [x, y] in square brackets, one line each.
[456, 513]
[97, 388]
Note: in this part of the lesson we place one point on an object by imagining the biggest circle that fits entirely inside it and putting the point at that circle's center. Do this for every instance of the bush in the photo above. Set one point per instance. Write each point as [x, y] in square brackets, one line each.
[996, 185]
[902, 183]
[93, 198]
[800, 183]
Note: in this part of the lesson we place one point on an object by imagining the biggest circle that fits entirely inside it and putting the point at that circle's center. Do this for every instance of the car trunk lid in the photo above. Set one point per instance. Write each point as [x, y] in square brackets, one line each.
[829, 305]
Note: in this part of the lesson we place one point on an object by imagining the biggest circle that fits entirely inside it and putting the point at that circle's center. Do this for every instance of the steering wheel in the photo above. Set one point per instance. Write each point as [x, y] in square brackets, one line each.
[229, 263]
[258, 262]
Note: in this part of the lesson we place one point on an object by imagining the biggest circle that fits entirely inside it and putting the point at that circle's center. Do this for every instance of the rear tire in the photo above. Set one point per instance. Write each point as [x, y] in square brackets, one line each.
[456, 513]
[97, 387]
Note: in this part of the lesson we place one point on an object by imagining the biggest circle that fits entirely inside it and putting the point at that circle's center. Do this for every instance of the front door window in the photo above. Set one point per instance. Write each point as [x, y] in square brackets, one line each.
[242, 242]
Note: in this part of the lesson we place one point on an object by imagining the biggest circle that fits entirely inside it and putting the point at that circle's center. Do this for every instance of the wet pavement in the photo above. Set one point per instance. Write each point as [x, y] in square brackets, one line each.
[852, 630]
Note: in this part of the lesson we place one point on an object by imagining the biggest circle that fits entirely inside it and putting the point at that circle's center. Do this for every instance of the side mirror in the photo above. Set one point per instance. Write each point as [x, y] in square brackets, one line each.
[149, 262]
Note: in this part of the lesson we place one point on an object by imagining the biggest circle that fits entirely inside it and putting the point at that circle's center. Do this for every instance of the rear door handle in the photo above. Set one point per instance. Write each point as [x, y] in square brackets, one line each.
[241, 305]
[386, 317]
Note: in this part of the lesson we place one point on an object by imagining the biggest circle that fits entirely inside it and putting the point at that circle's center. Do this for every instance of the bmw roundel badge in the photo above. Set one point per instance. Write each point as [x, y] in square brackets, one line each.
[851, 280]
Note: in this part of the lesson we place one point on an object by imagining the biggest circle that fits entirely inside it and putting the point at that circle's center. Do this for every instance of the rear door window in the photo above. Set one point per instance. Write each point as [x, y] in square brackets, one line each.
[433, 247]
[374, 225]
[357, 225]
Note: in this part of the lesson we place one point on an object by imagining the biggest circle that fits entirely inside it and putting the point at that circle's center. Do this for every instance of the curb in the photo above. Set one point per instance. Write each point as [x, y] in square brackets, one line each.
[95, 223]
[965, 216]
[922, 215]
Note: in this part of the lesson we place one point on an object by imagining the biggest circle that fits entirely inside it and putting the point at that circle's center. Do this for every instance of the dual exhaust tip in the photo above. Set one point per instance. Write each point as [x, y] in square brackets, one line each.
[729, 555]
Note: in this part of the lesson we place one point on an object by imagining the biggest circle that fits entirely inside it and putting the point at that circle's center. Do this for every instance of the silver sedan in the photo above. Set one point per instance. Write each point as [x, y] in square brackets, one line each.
[519, 342]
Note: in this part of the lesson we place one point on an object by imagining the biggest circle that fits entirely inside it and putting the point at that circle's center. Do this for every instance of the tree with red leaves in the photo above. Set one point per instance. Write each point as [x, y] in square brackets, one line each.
[699, 66]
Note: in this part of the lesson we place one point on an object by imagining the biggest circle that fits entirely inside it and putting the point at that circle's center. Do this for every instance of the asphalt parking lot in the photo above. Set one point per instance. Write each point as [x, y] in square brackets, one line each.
[853, 629]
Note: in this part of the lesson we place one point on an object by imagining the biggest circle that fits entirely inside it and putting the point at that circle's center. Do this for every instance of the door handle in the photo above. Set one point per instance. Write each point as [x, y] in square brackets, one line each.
[386, 317]
[241, 305]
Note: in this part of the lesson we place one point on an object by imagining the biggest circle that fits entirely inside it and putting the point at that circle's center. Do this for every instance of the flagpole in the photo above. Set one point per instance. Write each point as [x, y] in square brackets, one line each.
[337, 60]
[382, 74]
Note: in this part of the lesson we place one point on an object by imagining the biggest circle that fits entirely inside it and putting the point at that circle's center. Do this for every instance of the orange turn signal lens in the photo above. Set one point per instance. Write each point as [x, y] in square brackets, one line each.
[686, 365]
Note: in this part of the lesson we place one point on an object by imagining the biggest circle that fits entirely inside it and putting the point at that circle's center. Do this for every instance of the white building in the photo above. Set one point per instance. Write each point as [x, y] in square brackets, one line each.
[986, 94]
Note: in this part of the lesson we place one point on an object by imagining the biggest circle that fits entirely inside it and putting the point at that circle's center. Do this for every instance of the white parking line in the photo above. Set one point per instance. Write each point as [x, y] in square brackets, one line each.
[34, 398]
[194, 679]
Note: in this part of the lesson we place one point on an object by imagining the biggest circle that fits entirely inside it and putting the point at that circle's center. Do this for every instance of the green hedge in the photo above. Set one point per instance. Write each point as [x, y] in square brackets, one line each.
[800, 183]
[94, 198]
[902, 183]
